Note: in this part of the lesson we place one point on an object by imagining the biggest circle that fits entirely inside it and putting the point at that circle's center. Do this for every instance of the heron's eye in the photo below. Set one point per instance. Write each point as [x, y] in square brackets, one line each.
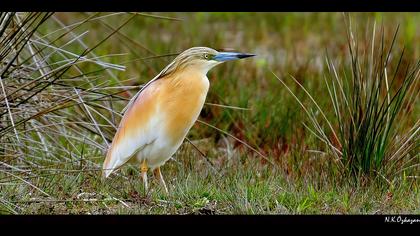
[206, 56]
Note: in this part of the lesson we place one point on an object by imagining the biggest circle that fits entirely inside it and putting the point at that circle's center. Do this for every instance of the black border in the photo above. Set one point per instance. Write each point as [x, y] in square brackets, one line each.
[247, 221]
[259, 225]
[210, 5]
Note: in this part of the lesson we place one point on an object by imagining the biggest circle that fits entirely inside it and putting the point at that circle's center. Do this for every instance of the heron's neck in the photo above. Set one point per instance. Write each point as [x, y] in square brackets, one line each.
[197, 68]
[191, 78]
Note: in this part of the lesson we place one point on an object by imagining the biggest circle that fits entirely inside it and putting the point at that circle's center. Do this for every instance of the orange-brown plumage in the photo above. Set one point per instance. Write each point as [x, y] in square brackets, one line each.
[136, 117]
[159, 117]
[177, 100]
[183, 97]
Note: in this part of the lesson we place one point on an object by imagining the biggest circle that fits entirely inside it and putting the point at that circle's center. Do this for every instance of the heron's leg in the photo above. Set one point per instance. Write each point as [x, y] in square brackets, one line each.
[159, 176]
[143, 169]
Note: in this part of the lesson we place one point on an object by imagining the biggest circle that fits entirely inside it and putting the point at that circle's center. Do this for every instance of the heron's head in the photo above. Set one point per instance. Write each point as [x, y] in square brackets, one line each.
[204, 58]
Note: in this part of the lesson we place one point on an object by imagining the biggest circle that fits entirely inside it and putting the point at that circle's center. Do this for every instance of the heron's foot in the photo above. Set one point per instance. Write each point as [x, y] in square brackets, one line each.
[143, 169]
[158, 175]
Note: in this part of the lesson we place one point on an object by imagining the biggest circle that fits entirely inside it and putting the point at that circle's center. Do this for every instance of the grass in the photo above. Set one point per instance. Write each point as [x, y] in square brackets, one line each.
[251, 189]
[233, 178]
[368, 141]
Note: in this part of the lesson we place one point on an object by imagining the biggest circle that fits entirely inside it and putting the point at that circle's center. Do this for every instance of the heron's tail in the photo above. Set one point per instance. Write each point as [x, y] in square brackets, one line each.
[107, 167]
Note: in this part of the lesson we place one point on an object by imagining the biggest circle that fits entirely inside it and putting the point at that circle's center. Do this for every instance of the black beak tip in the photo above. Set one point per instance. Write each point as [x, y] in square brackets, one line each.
[245, 55]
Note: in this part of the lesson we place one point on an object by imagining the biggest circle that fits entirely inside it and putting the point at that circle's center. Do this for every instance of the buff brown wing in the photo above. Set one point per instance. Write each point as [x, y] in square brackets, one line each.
[136, 129]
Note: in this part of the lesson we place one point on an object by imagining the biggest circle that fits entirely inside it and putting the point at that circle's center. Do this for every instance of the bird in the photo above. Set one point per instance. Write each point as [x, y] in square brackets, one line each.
[157, 119]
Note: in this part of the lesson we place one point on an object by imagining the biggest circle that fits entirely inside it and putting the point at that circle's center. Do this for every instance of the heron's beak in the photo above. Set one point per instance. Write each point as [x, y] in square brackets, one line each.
[229, 56]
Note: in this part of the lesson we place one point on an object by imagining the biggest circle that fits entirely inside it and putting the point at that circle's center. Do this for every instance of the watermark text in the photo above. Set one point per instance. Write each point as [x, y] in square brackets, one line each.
[403, 219]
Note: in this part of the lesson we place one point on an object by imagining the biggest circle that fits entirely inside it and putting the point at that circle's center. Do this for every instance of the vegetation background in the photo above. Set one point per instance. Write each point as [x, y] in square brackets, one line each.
[249, 153]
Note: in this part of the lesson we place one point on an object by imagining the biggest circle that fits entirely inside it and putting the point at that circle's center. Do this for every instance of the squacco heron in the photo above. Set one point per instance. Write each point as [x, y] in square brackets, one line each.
[159, 116]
